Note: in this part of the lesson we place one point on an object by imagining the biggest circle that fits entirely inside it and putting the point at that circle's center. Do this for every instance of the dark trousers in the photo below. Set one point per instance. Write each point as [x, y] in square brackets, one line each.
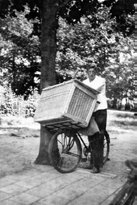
[97, 139]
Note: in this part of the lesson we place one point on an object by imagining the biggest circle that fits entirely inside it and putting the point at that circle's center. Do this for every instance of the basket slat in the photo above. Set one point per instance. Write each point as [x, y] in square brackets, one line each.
[79, 101]
[71, 102]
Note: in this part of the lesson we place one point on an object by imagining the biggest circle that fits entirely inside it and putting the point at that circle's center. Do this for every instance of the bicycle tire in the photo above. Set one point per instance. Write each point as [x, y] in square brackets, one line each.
[106, 149]
[65, 151]
[125, 196]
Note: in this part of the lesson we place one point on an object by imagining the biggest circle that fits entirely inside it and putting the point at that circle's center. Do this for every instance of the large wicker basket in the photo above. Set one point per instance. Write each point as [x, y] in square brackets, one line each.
[68, 104]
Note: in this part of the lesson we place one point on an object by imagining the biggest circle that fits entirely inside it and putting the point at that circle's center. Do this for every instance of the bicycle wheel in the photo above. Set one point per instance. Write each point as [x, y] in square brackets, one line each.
[106, 149]
[65, 151]
[125, 196]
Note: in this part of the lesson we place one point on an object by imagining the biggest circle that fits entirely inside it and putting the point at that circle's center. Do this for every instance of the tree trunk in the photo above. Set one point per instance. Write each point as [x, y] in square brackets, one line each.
[49, 26]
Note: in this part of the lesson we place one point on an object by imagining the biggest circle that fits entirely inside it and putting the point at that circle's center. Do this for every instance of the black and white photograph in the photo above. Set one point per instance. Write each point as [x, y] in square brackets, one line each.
[68, 102]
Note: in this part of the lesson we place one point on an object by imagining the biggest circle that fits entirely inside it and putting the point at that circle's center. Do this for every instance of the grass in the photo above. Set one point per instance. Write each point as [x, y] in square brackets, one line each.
[28, 128]
[122, 119]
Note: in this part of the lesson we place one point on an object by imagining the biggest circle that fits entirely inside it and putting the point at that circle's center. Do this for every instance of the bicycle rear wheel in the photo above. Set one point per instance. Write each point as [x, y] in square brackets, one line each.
[106, 149]
[65, 151]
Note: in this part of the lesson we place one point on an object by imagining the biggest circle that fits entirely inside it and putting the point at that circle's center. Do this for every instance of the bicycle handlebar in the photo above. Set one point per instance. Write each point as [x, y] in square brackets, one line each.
[131, 164]
[133, 167]
[127, 194]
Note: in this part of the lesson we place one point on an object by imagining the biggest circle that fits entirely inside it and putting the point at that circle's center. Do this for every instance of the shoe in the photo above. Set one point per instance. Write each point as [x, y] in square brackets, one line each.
[84, 159]
[86, 166]
[95, 170]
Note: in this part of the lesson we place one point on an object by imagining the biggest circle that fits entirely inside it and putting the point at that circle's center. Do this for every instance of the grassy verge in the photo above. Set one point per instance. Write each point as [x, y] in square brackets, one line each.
[122, 119]
[117, 120]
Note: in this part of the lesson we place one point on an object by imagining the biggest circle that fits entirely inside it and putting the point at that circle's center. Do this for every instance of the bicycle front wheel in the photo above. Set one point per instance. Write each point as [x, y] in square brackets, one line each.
[65, 151]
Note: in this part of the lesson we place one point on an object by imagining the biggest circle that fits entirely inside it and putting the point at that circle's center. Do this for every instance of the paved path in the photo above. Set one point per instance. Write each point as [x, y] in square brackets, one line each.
[44, 185]
[25, 183]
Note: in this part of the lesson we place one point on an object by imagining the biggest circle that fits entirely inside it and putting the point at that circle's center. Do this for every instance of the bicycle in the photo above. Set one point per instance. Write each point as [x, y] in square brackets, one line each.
[65, 150]
[64, 109]
[126, 196]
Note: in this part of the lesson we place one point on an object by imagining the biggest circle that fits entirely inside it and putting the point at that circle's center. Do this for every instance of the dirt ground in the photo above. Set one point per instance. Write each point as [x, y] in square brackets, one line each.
[19, 147]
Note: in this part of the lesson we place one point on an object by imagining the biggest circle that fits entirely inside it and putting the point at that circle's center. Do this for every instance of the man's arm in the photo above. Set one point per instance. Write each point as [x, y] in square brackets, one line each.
[99, 84]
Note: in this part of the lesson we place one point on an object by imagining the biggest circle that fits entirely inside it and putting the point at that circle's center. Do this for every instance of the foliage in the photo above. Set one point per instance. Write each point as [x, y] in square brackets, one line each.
[21, 45]
[93, 38]
[20, 51]
[14, 105]
[81, 44]
[78, 45]
[120, 9]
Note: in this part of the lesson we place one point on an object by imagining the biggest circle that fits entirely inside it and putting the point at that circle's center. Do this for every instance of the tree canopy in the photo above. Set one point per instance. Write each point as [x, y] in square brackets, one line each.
[73, 10]
[81, 44]
[20, 53]
[77, 46]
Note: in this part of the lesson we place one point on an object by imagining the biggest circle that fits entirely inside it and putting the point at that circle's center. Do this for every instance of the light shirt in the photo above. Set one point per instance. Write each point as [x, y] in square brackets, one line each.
[99, 84]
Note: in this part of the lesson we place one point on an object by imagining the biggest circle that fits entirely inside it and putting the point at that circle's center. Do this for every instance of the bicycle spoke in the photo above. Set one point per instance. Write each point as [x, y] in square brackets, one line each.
[72, 154]
[65, 151]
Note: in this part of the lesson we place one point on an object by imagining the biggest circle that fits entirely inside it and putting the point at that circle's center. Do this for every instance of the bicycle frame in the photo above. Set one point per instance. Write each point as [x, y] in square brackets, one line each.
[126, 195]
[83, 141]
[70, 143]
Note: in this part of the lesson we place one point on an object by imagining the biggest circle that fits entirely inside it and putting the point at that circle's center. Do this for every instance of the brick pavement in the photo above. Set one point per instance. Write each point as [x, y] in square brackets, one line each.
[29, 184]
[43, 185]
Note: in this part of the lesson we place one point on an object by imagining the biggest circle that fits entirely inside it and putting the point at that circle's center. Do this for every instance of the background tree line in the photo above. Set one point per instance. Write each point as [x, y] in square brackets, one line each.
[77, 46]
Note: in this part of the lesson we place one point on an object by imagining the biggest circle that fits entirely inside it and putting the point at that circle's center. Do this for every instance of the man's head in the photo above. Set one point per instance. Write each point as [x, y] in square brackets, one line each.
[91, 71]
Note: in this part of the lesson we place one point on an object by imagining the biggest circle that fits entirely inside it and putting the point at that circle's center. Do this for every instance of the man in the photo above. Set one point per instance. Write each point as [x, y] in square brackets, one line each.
[100, 115]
